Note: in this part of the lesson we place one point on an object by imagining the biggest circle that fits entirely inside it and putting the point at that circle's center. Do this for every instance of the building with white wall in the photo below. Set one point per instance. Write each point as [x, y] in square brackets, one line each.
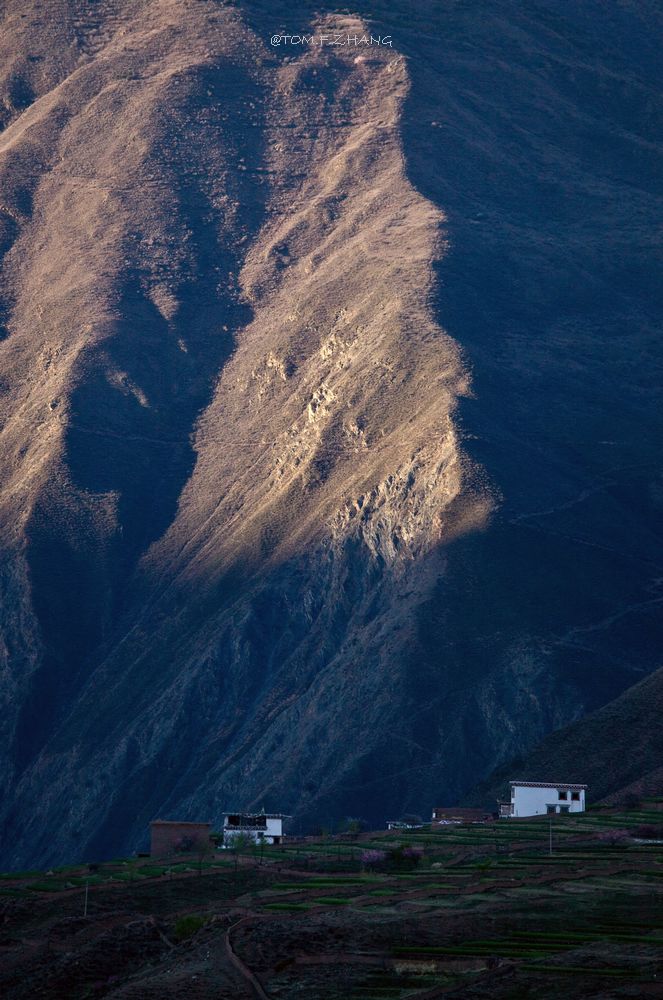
[262, 827]
[541, 798]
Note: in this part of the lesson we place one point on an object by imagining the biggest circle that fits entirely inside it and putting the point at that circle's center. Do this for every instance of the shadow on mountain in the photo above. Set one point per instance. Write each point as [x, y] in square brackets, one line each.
[129, 440]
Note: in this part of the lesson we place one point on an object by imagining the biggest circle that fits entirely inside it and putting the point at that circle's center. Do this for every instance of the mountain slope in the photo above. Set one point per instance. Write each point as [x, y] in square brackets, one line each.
[330, 404]
[616, 751]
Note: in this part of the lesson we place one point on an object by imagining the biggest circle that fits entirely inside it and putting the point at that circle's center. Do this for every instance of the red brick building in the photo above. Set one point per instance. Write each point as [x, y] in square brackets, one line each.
[169, 837]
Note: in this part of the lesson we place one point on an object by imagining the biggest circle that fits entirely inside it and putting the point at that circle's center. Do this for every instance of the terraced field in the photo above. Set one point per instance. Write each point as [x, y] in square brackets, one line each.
[473, 911]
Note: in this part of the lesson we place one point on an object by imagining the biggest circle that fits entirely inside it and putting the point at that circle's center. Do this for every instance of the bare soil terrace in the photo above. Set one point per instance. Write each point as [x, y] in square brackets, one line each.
[487, 911]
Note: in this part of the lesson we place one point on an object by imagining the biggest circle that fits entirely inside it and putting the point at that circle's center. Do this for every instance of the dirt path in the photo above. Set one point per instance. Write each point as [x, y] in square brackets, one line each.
[243, 969]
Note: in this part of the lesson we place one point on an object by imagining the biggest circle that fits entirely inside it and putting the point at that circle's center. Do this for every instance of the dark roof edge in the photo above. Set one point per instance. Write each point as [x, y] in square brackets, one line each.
[548, 784]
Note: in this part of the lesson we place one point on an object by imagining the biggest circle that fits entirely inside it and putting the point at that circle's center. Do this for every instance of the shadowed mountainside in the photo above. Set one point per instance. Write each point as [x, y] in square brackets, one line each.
[616, 751]
[330, 404]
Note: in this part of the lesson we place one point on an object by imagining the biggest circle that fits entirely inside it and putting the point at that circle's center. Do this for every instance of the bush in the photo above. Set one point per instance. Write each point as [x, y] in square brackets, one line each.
[354, 825]
[484, 865]
[187, 926]
[405, 856]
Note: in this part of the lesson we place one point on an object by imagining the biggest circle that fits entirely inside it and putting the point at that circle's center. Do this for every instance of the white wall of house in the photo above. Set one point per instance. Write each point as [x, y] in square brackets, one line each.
[274, 826]
[538, 800]
[270, 833]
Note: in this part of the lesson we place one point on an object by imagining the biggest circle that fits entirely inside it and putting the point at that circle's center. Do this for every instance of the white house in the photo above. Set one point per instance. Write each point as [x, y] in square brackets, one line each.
[262, 827]
[540, 798]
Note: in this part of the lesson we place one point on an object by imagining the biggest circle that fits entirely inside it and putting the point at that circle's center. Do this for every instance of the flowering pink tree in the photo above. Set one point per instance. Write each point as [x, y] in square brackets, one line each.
[371, 859]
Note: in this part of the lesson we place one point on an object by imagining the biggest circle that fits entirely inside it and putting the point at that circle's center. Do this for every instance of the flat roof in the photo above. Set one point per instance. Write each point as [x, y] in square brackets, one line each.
[240, 812]
[548, 784]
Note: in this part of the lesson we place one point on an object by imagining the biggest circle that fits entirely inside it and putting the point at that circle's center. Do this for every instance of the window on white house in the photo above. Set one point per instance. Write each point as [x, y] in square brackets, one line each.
[562, 796]
[550, 810]
[575, 796]
[564, 809]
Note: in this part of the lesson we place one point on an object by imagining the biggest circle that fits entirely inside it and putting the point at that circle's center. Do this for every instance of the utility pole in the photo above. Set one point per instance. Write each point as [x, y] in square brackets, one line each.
[87, 889]
[550, 837]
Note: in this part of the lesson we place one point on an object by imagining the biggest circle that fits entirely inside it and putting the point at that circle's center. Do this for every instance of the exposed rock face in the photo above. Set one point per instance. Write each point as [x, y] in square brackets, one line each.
[324, 401]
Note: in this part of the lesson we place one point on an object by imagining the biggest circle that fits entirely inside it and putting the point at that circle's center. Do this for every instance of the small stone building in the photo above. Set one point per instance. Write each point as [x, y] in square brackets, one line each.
[460, 814]
[168, 837]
